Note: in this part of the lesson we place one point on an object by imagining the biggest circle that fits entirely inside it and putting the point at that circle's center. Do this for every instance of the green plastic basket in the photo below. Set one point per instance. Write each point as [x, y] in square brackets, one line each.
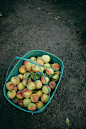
[14, 72]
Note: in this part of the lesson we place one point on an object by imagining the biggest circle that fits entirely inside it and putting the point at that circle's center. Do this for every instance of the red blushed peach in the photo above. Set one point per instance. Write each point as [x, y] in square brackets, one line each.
[43, 80]
[25, 62]
[39, 105]
[32, 107]
[9, 85]
[38, 84]
[22, 69]
[28, 66]
[20, 76]
[49, 71]
[56, 66]
[19, 95]
[20, 103]
[40, 61]
[46, 89]
[26, 93]
[52, 84]
[15, 80]
[15, 100]
[44, 98]
[15, 88]
[31, 85]
[56, 77]
[11, 94]
[34, 97]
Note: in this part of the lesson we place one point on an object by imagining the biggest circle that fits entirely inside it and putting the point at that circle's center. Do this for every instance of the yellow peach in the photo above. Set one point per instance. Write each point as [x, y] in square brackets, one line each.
[45, 58]
[15, 80]
[11, 94]
[39, 93]
[39, 105]
[22, 69]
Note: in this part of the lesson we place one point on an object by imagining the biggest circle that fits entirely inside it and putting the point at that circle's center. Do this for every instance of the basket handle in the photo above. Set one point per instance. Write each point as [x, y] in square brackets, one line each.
[38, 66]
[31, 62]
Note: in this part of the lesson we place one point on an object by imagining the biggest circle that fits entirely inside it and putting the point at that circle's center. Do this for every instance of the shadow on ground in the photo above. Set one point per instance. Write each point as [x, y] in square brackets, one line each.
[27, 25]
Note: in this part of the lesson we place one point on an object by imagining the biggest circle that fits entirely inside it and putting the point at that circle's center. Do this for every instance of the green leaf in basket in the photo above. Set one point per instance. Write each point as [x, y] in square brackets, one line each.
[51, 75]
[34, 77]
[46, 75]
[38, 76]
[40, 73]
[35, 90]
[52, 79]
[28, 77]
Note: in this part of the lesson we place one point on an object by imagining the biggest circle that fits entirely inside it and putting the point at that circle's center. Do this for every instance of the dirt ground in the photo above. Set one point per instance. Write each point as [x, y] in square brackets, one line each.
[60, 29]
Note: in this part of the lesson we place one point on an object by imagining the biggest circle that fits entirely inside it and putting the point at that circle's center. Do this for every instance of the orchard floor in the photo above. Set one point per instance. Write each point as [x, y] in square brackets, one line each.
[27, 25]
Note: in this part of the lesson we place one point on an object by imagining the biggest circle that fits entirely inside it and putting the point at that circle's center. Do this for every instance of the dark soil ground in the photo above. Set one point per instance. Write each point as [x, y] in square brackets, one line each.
[27, 25]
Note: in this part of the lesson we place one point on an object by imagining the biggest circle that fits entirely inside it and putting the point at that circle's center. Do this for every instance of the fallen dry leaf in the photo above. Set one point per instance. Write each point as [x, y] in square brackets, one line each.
[39, 8]
[49, 13]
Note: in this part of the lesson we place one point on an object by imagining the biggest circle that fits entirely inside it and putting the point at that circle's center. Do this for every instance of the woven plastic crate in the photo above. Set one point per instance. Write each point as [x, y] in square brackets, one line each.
[14, 72]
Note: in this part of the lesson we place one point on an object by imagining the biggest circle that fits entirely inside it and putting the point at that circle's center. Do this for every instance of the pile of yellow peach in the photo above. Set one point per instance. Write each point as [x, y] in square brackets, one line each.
[30, 89]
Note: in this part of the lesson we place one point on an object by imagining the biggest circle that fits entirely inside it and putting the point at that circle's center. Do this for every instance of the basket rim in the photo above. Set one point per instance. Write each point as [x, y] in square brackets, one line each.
[38, 111]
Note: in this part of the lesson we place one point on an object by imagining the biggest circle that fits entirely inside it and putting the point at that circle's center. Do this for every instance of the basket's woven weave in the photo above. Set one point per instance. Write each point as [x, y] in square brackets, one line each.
[14, 72]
